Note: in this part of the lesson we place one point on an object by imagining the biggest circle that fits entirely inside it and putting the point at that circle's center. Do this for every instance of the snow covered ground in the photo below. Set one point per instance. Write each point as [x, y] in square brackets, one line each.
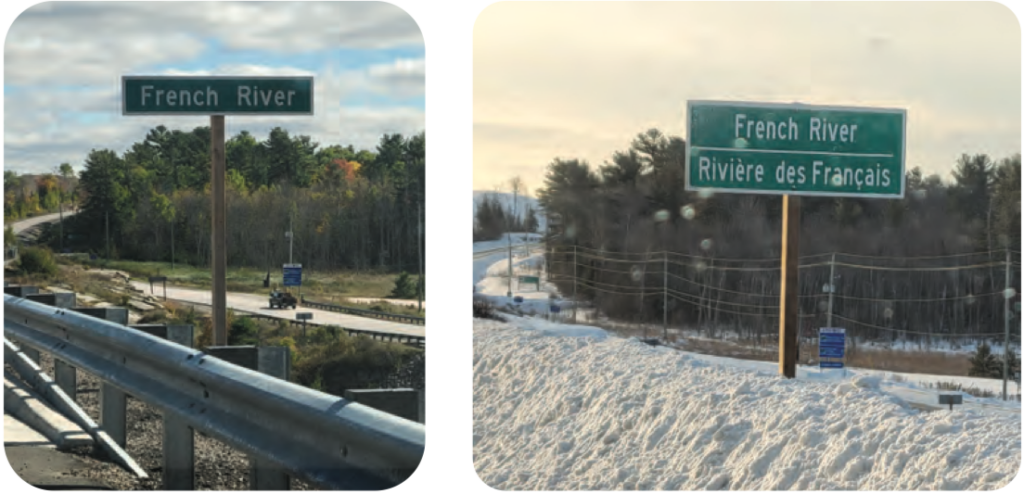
[571, 407]
[490, 273]
[556, 411]
[491, 282]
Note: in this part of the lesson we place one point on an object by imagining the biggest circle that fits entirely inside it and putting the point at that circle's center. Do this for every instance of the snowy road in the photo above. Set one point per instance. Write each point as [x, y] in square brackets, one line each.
[259, 304]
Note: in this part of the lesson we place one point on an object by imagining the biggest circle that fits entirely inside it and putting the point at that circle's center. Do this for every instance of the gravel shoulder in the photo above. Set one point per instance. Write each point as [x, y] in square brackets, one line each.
[217, 466]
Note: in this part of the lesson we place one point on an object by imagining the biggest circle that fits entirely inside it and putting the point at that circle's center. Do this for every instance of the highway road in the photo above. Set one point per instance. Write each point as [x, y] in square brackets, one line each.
[254, 303]
[20, 226]
[259, 304]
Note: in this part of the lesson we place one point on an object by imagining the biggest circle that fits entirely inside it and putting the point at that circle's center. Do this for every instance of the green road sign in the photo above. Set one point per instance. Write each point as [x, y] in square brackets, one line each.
[770, 148]
[216, 95]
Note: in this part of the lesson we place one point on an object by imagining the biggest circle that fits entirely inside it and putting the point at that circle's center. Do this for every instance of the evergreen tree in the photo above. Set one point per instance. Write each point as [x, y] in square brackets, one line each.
[405, 287]
[984, 364]
[531, 224]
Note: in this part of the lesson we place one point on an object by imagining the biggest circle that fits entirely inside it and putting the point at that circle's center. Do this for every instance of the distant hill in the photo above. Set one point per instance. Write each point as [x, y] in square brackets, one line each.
[507, 198]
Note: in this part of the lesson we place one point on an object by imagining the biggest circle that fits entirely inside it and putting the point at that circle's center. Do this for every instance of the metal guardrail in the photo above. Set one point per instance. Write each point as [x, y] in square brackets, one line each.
[416, 341]
[329, 441]
[364, 312]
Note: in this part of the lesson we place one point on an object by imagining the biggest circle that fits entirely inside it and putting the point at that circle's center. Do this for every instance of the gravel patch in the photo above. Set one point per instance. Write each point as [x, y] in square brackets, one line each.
[217, 466]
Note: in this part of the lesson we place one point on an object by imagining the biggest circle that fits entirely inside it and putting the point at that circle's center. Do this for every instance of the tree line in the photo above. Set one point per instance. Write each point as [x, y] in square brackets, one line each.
[636, 203]
[493, 219]
[29, 195]
[347, 208]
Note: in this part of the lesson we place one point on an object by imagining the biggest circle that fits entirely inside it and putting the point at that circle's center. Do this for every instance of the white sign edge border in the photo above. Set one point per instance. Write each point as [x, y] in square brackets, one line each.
[310, 113]
[795, 106]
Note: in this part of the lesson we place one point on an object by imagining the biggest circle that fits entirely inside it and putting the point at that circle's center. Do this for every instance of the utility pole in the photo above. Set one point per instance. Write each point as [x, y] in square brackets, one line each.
[664, 303]
[419, 245]
[575, 301]
[1006, 326]
[174, 188]
[509, 235]
[291, 238]
[831, 288]
[60, 207]
[107, 230]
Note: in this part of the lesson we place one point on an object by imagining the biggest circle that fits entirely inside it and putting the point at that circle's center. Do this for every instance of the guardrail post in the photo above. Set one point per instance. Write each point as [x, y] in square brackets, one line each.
[179, 438]
[61, 300]
[66, 377]
[275, 362]
[113, 412]
[179, 454]
[403, 402]
[113, 401]
[20, 290]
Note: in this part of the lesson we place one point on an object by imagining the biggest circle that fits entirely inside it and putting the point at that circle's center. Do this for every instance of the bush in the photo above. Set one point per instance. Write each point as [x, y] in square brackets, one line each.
[404, 287]
[483, 309]
[244, 331]
[153, 316]
[351, 363]
[10, 239]
[37, 260]
[204, 337]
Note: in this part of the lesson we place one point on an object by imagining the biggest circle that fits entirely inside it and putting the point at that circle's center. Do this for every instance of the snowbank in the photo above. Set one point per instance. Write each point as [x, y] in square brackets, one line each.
[556, 413]
[548, 328]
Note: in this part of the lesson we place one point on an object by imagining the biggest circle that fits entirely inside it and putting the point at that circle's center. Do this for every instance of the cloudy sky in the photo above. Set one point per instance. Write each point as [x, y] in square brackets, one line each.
[63, 63]
[580, 80]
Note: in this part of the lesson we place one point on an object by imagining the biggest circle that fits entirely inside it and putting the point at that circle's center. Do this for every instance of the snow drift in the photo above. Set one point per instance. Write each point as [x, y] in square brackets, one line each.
[580, 413]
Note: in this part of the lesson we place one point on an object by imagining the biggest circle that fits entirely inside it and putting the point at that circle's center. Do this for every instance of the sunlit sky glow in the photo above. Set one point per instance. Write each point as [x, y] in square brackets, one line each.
[580, 80]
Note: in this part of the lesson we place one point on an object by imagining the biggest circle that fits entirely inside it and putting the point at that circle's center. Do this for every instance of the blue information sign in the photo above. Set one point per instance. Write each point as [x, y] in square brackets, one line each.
[555, 309]
[292, 275]
[831, 345]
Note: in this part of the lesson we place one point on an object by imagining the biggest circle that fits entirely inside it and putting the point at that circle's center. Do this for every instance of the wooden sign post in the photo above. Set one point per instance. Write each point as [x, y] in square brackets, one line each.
[217, 96]
[788, 308]
[794, 150]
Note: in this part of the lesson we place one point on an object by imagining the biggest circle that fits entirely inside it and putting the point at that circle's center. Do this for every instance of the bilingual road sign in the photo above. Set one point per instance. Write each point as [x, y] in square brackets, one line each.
[292, 275]
[772, 148]
[216, 95]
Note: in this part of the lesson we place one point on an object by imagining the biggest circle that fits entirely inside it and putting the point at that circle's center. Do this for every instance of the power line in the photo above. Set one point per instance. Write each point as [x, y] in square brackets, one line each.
[959, 335]
[947, 268]
[773, 295]
[944, 256]
[719, 301]
[802, 257]
[943, 299]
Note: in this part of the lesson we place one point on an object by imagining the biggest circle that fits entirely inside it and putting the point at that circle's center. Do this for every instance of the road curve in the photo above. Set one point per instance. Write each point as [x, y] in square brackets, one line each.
[259, 304]
[25, 224]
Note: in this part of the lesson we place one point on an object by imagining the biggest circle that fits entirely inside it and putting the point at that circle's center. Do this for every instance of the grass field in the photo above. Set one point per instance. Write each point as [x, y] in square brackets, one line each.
[250, 280]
